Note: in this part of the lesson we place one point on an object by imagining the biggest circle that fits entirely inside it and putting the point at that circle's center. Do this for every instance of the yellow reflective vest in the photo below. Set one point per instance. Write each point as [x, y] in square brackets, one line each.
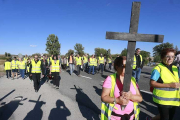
[36, 67]
[85, 59]
[167, 96]
[134, 63]
[107, 108]
[95, 63]
[14, 65]
[78, 61]
[7, 65]
[21, 64]
[92, 61]
[101, 60]
[109, 60]
[55, 67]
[25, 59]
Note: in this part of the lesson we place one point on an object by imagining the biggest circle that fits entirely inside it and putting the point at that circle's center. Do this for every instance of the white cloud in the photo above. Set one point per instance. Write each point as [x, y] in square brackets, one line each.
[33, 45]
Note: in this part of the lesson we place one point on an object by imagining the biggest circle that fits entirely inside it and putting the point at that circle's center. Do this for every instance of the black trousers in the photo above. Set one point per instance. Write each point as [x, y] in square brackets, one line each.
[78, 69]
[36, 79]
[8, 75]
[56, 78]
[166, 113]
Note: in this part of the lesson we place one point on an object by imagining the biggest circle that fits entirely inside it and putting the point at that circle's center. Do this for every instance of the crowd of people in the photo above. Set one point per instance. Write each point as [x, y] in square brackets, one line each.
[164, 80]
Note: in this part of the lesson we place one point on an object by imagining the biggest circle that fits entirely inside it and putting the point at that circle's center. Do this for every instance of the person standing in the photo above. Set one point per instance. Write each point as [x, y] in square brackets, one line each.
[137, 65]
[85, 62]
[65, 63]
[55, 70]
[71, 63]
[35, 69]
[91, 64]
[105, 62]
[110, 62]
[7, 67]
[78, 64]
[101, 63]
[14, 67]
[21, 66]
[25, 59]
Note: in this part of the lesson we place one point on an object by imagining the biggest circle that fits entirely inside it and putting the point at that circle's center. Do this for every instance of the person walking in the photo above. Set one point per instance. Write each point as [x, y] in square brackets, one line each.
[113, 97]
[78, 64]
[95, 64]
[55, 70]
[110, 62]
[71, 63]
[85, 62]
[137, 65]
[7, 68]
[28, 66]
[165, 83]
[22, 67]
[14, 67]
[105, 62]
[36, 68]
[45, 66]
[91, 64]
[101, 63]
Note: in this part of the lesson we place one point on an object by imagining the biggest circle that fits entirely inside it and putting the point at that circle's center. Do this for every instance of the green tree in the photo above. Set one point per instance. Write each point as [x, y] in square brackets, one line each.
[53, 45]
[145, 56]
[99, 51]
[176, 48]
[69, 52]
[5, 54]
[158, 48]
[79, 49]
[124, 52]
[9, 55]
[157, 58]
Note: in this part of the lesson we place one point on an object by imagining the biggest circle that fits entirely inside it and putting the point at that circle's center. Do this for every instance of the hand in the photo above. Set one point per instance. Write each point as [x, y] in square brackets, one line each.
[122, 101]
[42, 75]
[127, 95]
[30, 74]
[50, 73]
[174, 85]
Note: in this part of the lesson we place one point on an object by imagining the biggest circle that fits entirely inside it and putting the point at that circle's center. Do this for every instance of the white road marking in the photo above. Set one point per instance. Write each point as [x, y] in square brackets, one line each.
[146, 92]
[85, 77]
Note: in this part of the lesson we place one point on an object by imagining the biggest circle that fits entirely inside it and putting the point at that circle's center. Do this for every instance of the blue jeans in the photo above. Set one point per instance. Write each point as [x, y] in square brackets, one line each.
[101, 66]
[71, 66]
[22, 71]
[85, 65]
[110, 64]
[136, 74]
[91, 67]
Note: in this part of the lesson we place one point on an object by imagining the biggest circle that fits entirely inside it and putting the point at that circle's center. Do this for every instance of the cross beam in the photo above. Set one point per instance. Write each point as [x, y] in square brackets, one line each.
[132, 37]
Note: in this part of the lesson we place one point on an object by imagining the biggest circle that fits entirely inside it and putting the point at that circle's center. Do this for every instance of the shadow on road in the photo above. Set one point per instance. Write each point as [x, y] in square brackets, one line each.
[61, 112]
[36, 113]
[97, 90]
[85, 102]
[147, 73]
[6, 111]
[7, 95]
[104, 76]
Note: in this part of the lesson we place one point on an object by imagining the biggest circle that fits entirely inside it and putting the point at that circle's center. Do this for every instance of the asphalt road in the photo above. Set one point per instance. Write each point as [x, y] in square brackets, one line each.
[78, 96]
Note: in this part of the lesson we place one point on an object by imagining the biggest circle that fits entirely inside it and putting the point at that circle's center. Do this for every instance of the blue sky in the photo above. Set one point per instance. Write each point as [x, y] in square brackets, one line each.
[26, 24]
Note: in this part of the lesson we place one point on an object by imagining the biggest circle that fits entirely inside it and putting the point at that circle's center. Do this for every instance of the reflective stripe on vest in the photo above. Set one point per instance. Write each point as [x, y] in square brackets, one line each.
[7, 66]
[107, 108]
[21, 64]
[55, 67]
[78, 61]
[15, 64]
[36, 67]
[167, 96]
[92, 61]
[85, 60]
[101, 60]
[109, 60]
[134, 63]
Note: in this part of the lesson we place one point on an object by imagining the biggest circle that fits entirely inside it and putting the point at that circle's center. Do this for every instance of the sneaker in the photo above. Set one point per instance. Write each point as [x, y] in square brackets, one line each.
[12, 78]
[54, 86]
[57, 87]
[148, 118]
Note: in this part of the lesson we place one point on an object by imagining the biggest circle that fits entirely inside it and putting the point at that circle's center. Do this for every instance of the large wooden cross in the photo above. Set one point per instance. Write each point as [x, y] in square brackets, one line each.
[132, 37]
